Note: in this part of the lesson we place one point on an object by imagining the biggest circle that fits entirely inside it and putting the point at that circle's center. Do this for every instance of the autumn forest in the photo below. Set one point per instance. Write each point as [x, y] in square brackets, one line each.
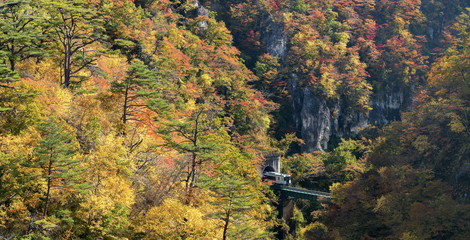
[152, 119]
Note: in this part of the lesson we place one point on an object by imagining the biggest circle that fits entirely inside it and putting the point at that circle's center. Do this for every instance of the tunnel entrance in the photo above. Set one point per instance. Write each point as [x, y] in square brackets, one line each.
[269, 169]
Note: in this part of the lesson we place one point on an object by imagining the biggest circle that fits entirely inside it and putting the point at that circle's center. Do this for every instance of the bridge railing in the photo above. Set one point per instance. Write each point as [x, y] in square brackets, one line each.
[300, 193]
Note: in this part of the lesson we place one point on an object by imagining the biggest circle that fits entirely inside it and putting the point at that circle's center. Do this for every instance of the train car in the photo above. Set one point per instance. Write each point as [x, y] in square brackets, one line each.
[277, 178]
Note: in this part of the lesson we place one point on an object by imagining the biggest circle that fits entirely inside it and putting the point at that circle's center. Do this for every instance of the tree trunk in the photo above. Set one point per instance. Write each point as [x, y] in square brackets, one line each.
[67, 70]
[67, 61]
[12, 58]
[124, 108]
[193, 170]
[49, 183]
[227, 221]
[227, 218]
[12, 64]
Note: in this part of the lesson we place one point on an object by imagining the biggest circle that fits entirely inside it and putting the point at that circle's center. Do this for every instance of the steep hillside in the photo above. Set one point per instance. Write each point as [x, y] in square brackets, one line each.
[149, 119]
[419, 183]
[338, 65]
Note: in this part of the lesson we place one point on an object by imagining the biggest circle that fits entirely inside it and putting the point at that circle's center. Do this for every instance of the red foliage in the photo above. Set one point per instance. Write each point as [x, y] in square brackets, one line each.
[371, 31]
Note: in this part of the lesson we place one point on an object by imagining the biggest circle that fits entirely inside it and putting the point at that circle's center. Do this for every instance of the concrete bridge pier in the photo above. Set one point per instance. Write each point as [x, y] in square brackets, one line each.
[285, 207]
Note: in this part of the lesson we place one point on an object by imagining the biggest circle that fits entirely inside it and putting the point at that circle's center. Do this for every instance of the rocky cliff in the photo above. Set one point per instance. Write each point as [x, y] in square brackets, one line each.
[317, 120]
[396, 50]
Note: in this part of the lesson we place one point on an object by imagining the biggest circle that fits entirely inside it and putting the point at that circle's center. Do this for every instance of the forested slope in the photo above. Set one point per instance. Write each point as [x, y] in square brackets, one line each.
[127, 120]
[337, 66]
[148, 119]
[418, 187]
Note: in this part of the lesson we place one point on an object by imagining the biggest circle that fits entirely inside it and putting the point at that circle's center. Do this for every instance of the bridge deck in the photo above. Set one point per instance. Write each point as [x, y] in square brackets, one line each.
[301, 193]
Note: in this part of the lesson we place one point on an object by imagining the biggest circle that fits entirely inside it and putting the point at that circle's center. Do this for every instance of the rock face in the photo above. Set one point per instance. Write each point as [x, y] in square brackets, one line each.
[386, 107]
[312, 117]
[317, 120]
[200, 10]
[274, 39]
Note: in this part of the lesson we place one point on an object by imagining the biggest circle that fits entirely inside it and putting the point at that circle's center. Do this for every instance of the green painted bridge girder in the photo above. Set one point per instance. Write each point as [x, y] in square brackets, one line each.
[300, 193]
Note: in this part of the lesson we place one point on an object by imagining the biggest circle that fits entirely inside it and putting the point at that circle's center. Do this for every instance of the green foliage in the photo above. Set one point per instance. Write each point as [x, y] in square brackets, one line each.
[267, 70]
[346, 162]
[215, 33]
[6, 74]
[305, 167]
[55, 156]
[74, 26]
[233, 199]
[319, 170]
[22, 29]
[316, 230]
[139, 87]
[33, 236]
[298, 218]
[165, 145]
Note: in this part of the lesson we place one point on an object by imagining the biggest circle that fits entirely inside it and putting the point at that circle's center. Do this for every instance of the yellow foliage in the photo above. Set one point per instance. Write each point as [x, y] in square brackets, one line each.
[206, 79]
[176, 37]
[112, 191]
[107, 160]
[328, 83]
[13, 151]
[106, 207]
[422, 144]
[337, 192]
[47, 69]
[190, 105]
[15, 216]
[175, 220]
[409, 236]
[16, 178]
[25, 111]
[63, 102]
[315, 230]
[86, 108]
[456, 124]
[57, 100]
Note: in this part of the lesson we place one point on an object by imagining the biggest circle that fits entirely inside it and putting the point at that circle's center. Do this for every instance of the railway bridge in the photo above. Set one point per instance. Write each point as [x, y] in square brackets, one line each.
[301, 193]
[272, 163]
[287, 194]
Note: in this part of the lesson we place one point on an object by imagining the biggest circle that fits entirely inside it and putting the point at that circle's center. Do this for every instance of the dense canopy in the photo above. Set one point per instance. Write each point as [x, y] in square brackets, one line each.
[149, 119]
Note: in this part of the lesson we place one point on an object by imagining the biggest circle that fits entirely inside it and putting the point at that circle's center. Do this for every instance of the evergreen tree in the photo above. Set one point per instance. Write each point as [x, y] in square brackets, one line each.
[75, 27]
[22, 31]
[190, 141]
[6, 75]
[234, 197]
[55, 156]
[139, 83]
[17, 107]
